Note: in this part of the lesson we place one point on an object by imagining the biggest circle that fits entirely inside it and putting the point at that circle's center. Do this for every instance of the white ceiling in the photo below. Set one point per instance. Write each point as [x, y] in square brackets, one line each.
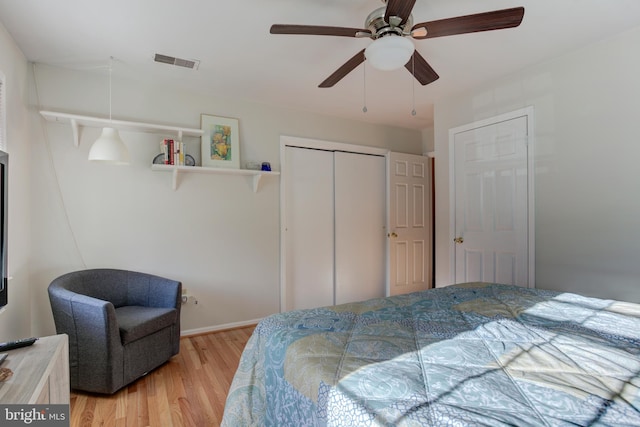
[240, 59]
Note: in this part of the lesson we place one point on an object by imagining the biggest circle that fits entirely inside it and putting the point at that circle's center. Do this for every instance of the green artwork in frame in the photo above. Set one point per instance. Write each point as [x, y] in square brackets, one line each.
[220, 142]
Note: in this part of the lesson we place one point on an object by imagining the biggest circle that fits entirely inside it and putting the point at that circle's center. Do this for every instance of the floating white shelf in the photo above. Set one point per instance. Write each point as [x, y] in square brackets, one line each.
[257, 175]
[76, 121]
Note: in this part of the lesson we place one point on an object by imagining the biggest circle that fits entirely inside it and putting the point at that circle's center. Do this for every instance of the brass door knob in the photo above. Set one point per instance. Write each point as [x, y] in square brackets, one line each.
[392, 235]
[458, 240]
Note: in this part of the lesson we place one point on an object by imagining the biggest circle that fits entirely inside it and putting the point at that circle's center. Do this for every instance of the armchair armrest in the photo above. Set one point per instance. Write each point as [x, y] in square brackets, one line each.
[95, 348]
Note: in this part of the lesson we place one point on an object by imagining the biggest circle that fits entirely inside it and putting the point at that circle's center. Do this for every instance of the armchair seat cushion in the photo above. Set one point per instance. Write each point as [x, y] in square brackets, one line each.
[136, 322]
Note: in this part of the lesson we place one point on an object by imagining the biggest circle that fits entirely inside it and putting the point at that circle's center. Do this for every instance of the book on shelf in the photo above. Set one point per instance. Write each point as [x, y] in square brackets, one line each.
[174, 152]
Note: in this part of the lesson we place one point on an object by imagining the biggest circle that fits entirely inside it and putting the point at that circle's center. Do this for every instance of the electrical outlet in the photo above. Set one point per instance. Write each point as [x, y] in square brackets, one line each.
[186, 299]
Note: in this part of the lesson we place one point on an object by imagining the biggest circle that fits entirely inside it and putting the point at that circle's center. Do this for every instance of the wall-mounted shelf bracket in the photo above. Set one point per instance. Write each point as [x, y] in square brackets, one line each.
[76, 132]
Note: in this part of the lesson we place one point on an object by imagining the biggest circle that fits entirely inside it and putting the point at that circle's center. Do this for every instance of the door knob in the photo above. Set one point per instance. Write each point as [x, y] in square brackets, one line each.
[458, 240]
[392, 234]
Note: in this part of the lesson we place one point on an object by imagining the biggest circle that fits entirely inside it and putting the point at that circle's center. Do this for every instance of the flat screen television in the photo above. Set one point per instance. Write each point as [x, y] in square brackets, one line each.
[4, 201]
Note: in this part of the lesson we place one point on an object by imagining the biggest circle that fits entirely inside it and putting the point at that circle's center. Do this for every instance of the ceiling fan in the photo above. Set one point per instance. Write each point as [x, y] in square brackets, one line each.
[390, 26]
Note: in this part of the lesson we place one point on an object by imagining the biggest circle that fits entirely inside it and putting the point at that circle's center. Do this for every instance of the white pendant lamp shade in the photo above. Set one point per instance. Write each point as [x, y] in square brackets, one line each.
[109, 148]
[389, 53]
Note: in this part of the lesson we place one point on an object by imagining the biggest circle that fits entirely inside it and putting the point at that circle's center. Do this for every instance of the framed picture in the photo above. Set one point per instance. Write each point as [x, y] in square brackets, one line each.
[220, 142]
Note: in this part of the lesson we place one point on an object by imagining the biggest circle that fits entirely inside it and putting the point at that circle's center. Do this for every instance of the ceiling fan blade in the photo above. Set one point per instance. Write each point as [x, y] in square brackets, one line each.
[421, 70]
[345, 69]
[399, 8]
[487, 21]
[316, 30]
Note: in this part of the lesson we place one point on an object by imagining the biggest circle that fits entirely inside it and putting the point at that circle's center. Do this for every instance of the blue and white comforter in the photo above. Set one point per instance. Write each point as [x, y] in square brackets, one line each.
[473, 354]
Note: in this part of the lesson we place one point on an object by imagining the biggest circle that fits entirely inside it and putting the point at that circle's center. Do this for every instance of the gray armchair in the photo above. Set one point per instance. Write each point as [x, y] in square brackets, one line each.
[121, 325]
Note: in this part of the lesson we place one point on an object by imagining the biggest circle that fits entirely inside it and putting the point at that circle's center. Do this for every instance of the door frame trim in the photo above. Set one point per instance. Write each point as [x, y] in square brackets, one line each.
[293, 141]
[523, 112]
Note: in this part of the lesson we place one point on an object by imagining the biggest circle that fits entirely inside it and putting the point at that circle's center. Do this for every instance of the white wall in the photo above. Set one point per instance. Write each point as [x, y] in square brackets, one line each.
[15, 317]
[428, 140]
[587, 179]
[214, 233]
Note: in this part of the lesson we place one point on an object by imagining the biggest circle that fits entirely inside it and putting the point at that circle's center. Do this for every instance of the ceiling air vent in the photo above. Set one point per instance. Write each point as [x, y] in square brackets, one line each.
[187, 63]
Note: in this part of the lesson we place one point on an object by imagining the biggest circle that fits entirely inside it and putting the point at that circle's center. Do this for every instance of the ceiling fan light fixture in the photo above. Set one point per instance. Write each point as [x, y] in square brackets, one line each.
[389, 52]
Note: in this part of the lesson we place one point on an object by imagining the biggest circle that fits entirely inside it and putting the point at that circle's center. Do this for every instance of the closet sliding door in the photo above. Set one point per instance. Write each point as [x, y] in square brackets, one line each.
[309, 228]
[335, 210]
[360, 239]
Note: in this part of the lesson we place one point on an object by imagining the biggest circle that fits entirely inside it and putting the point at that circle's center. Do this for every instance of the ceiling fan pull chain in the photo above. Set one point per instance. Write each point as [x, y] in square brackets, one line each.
[413, 84]
[364, 87]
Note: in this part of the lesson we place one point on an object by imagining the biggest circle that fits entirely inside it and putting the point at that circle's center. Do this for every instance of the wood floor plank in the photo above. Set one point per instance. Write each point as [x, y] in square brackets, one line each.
[121, 406]
[189, 407]
[79, 402]
[159, 411]
[189, 390]
[105, 411]
[175, 392]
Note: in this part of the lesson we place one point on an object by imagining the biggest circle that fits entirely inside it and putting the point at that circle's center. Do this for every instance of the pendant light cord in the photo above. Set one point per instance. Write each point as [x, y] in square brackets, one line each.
[110, 70]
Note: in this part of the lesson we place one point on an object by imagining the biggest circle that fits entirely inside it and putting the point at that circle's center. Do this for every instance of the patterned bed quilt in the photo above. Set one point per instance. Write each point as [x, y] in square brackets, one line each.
[473, 354]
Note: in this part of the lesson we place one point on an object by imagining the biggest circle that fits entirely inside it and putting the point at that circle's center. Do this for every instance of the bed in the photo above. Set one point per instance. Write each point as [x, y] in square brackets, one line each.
[470, 354]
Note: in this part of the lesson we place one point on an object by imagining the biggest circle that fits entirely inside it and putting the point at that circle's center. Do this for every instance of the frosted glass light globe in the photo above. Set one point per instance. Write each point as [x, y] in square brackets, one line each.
[389, 52]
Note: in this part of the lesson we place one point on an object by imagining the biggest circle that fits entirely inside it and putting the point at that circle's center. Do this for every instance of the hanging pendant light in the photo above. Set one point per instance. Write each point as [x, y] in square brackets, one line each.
[109, 148]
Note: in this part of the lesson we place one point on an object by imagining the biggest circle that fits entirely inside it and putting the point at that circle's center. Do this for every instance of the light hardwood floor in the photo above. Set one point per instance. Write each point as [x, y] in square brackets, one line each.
[189, 390]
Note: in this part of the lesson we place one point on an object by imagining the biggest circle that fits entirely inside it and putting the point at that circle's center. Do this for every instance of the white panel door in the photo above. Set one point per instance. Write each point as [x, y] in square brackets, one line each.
[309, 228]
[491, 203]
[360, 226]
[409, 224]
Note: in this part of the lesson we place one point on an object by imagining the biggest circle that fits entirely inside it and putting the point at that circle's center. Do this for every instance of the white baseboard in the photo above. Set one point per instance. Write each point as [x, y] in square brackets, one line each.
[207, 329]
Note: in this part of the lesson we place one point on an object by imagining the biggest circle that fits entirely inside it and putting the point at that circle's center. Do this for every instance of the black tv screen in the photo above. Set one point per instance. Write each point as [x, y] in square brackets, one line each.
[4, 201]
